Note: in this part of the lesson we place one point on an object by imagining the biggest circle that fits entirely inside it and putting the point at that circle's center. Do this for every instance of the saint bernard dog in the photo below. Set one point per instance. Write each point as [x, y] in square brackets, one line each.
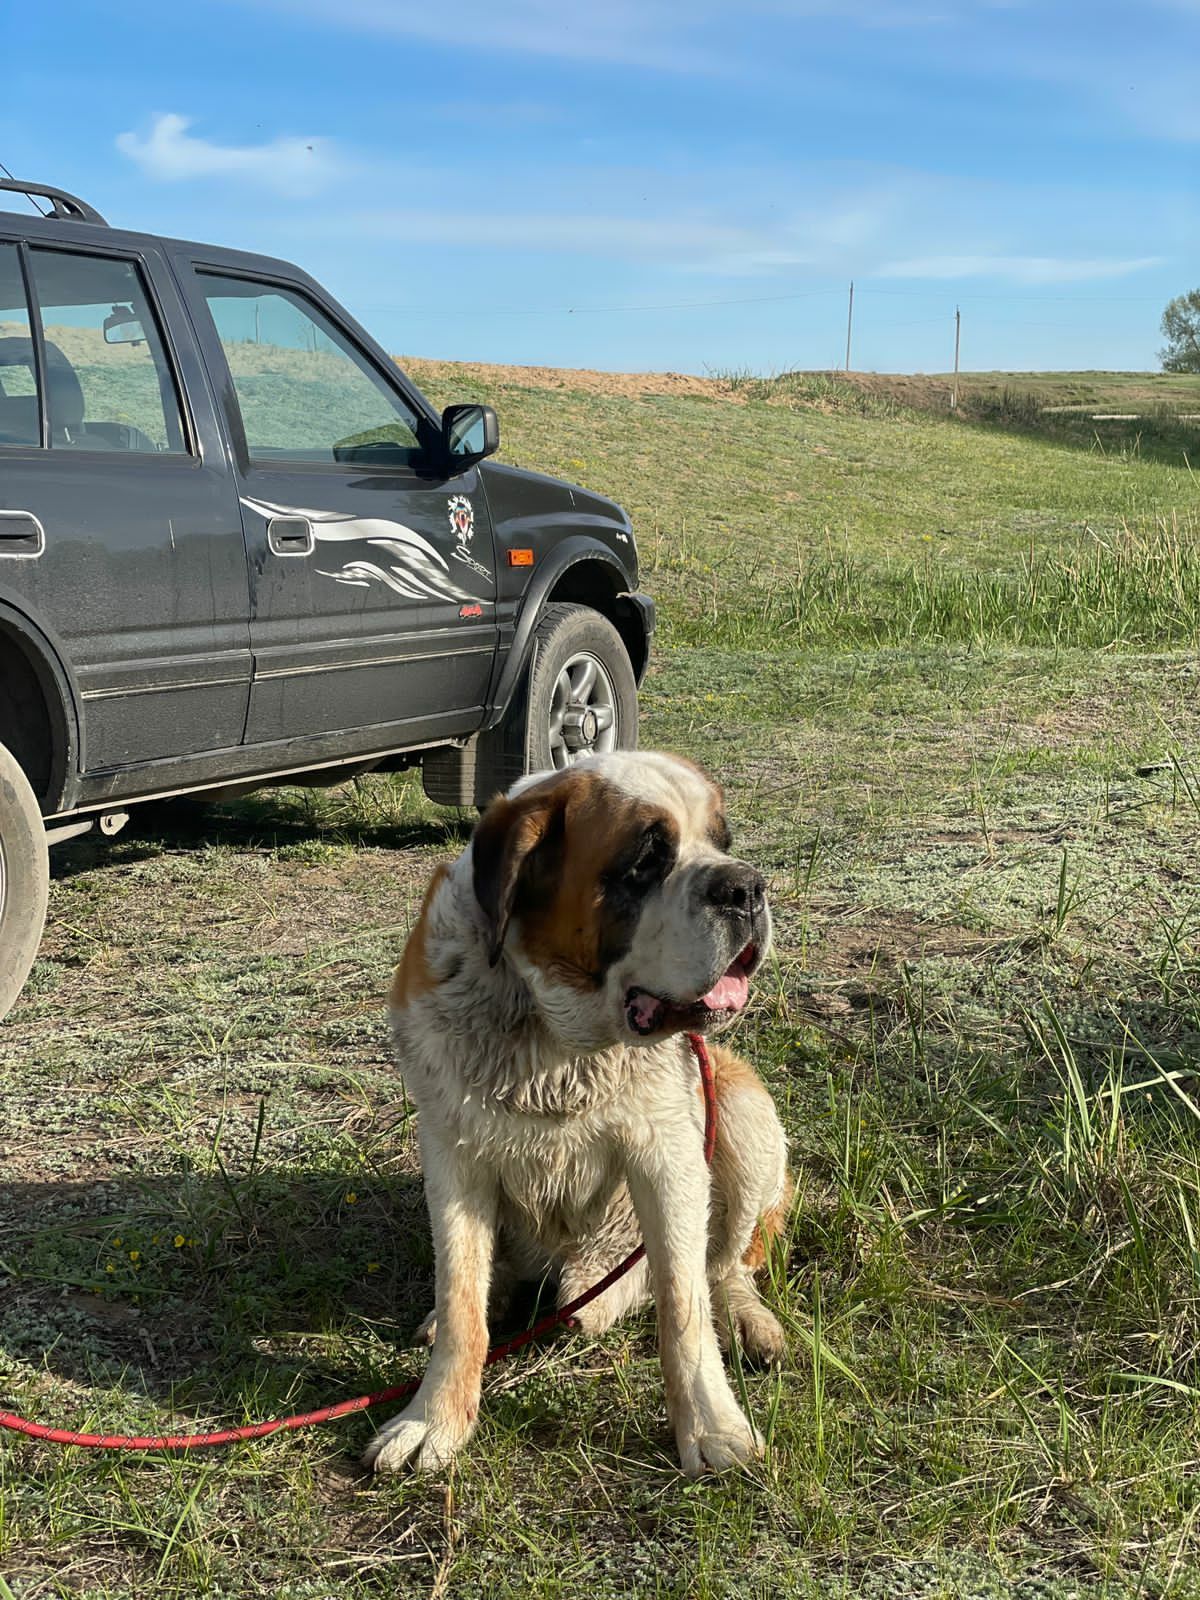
[540, 1010]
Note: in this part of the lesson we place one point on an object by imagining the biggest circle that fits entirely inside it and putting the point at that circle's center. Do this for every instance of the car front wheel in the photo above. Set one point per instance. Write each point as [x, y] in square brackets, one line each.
[577, 695]
[24, 878]
[580, 694]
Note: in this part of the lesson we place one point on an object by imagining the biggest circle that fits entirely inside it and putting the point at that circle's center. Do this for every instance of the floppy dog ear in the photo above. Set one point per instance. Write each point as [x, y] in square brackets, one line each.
[510, 840]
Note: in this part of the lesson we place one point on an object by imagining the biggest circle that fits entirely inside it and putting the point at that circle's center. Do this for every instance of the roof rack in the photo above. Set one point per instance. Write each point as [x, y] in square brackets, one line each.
[67, 206]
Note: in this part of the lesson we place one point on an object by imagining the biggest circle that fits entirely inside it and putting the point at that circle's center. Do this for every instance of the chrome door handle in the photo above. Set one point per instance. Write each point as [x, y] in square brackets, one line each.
[21, 535]
[291, 536]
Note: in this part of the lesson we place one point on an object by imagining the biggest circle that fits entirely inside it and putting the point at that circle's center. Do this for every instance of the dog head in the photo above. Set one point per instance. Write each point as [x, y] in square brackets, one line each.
[611, 889]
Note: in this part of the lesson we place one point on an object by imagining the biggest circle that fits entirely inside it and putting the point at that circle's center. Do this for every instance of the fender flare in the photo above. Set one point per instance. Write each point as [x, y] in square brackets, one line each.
[58, 687]
[570, 553]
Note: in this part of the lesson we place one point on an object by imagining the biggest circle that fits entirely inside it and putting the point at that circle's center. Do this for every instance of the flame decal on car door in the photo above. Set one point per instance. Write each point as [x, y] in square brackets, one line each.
[407, 562]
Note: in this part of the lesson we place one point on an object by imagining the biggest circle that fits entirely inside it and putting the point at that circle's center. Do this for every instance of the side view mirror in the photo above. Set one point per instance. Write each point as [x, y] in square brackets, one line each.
[122, 327]
[470, 433]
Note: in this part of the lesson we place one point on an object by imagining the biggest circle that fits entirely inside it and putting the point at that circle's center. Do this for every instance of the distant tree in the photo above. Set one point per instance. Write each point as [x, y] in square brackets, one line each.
[1181, 326]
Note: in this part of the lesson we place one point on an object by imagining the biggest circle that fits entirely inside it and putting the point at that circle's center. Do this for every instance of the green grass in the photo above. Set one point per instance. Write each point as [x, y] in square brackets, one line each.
[1149, 414]
[948, 675]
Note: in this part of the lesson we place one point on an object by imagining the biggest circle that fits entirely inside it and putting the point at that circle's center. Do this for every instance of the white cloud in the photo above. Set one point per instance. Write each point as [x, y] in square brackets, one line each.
[702, 36]
[170, 153]
[686, 235]
[886, 13]
[636, 32]
[1017, 269]
[667, 238]
[890, 226]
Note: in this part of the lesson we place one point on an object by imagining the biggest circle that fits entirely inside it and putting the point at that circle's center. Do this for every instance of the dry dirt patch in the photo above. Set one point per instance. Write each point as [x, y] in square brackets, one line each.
[628, 385]
[858, 938]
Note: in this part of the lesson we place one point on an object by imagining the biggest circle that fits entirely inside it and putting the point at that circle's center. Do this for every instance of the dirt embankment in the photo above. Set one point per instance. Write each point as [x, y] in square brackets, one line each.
[628, 384]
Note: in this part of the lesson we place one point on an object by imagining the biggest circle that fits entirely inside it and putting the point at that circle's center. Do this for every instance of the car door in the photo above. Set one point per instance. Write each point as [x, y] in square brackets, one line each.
[371, 561]
[123, 535]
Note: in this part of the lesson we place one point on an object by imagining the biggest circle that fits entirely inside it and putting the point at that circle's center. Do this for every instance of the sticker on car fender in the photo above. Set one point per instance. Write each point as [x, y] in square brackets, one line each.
[462, 525]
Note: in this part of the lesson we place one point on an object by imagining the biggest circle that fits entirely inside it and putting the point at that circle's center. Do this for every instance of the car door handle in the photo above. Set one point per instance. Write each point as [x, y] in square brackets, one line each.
[291, 536]
[21, 534]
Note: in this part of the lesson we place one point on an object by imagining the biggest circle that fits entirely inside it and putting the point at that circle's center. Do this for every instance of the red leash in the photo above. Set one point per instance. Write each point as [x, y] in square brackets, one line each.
[304, 1419]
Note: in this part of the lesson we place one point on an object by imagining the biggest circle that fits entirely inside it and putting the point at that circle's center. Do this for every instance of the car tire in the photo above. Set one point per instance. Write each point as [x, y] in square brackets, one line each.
[24, 878]
[579, 693]
[577, 665]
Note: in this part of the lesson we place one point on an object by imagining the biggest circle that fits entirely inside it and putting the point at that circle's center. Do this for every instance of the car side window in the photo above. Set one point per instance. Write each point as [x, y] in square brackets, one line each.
[20, 421]
[109, 385]
[306, 394]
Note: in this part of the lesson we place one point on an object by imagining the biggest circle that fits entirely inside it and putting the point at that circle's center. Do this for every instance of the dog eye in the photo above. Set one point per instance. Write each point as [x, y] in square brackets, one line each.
[644, 870]
[649, 864]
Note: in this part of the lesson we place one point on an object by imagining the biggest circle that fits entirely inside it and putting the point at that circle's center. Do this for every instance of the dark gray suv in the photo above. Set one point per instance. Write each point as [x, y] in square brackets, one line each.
[237, 545]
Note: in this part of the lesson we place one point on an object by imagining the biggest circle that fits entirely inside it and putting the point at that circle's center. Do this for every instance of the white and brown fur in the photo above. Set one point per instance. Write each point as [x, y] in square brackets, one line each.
[553, 1136]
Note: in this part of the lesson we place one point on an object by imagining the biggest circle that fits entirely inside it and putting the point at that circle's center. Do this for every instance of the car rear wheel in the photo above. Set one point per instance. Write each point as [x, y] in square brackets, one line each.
[24, 878]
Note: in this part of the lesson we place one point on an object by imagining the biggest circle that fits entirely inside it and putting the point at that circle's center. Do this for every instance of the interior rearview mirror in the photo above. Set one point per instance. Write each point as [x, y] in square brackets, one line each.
[122, 327]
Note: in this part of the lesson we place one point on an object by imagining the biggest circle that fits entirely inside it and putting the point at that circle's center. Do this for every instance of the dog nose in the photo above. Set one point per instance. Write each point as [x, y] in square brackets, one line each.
[736, 891]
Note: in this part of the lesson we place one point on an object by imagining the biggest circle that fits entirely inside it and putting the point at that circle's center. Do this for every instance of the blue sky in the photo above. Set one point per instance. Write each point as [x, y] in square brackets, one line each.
[647, 184]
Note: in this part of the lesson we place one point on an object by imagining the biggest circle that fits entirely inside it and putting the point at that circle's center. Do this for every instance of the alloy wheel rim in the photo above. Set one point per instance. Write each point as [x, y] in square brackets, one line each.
[583, 711]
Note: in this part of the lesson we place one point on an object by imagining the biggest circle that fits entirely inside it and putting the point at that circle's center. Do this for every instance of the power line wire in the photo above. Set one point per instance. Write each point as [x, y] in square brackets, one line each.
[578, 311]
[747, 300]
[685, 305]
[1074, 299]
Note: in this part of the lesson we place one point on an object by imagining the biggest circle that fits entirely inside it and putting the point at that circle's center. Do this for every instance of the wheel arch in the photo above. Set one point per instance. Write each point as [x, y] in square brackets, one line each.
[586, 575]
[38, 716]
[603, 587]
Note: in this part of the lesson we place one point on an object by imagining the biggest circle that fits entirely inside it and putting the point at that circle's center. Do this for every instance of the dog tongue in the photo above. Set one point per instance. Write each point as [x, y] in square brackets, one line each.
[647, 1012]
[730, 992]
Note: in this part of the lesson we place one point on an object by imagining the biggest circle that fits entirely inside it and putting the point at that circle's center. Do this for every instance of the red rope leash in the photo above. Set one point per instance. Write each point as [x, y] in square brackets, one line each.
[344, 1408]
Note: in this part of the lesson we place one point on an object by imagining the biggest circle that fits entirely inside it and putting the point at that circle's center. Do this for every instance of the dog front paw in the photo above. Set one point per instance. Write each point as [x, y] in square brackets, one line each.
[420, 1437]
[716, 1438]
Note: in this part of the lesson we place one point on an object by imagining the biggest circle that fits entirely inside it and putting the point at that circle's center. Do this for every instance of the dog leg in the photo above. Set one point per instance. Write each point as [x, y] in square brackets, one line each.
[583, 1270]
[504, 1281]
[441, 1416]
[751, 1186]
[751, 1194]
[595, 1256]
[740, 1308]
[671, 1200]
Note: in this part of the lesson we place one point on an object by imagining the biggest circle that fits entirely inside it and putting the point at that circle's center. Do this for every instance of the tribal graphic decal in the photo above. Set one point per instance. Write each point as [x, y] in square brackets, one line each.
[462, 525]
[462, 518]
[407, 562]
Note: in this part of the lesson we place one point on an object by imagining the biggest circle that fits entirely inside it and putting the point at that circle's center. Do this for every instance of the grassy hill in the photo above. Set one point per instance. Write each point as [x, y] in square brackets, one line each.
[811, 510]
[948, 670]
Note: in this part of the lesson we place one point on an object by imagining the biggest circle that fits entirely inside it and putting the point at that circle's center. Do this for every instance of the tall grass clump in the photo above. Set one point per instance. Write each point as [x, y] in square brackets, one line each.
[823, 391]
[1137, 588]
[1011, 407]
[1161, 431]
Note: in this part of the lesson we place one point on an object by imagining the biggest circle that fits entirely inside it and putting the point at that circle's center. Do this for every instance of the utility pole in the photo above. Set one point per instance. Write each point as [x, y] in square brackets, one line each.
[957, 334]
[849, 324]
